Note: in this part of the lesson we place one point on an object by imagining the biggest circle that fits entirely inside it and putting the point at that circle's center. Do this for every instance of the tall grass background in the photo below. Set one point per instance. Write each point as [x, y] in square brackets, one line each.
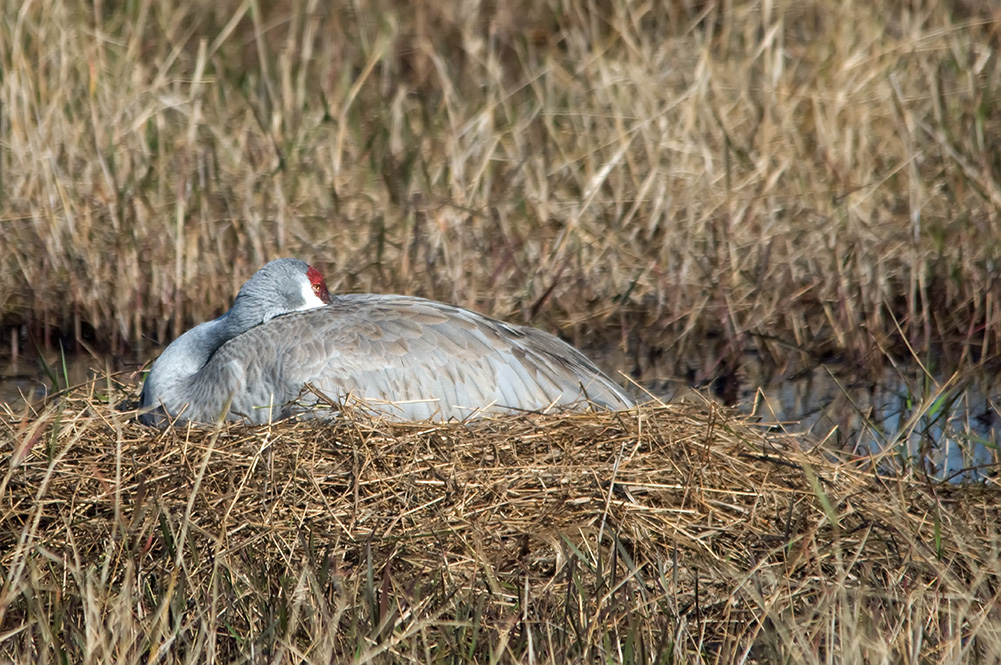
[676, 183]
[805, 179]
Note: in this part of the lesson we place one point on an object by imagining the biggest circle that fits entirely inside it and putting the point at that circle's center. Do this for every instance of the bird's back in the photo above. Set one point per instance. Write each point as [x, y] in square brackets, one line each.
[405, 357]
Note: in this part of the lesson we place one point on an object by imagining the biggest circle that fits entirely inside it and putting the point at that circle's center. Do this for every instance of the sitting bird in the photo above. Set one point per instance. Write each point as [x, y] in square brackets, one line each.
[286, 340]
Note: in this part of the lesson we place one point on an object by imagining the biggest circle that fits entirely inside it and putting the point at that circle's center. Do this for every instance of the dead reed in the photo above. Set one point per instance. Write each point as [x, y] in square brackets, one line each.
[676, 179]
[671, 533]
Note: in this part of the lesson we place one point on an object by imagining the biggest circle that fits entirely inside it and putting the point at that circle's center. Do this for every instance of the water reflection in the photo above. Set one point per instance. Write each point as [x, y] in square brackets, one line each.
[29, 380]
[947, 425]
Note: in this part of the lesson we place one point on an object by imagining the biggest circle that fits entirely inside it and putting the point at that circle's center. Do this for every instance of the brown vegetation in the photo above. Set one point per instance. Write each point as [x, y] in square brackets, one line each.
[669, 534]
[793, 177]
[673, 179]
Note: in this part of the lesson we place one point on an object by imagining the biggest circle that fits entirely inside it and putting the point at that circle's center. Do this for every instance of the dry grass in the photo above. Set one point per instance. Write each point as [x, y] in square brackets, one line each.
[674, 533]
[677, 179]
[682, 181]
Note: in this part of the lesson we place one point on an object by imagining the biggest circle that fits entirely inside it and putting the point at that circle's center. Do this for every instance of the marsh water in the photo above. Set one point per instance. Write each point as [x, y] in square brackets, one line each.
[946, 424]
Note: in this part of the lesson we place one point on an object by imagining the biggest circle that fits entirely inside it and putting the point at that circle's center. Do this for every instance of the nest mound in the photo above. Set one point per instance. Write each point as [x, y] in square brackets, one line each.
[674, 528]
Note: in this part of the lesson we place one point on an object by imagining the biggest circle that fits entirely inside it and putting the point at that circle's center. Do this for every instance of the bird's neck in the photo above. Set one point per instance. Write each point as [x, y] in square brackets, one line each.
[183, 359]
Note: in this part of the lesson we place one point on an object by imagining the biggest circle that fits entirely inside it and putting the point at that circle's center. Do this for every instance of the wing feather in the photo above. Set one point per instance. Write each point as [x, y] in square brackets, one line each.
[417, 358]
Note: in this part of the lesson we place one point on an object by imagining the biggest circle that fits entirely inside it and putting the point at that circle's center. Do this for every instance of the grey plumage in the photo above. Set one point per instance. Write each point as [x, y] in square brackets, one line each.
[406, 358]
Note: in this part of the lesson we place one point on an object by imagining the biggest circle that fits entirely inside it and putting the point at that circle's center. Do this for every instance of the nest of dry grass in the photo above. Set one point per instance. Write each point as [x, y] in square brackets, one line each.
[674, 529]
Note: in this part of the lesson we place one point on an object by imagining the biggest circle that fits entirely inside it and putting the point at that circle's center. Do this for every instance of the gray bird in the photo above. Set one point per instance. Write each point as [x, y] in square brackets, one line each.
[286, 340]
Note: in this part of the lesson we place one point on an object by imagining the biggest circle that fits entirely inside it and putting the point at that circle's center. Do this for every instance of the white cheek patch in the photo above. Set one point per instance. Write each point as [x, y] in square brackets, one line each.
[309, 299]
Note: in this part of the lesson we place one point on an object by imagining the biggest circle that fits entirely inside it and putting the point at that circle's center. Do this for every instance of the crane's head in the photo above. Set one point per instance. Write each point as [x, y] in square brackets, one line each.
[317, 289]
[280, 287]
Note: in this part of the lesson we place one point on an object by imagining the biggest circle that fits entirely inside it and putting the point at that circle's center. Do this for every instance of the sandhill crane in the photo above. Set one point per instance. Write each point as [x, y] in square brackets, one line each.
[406, 358]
